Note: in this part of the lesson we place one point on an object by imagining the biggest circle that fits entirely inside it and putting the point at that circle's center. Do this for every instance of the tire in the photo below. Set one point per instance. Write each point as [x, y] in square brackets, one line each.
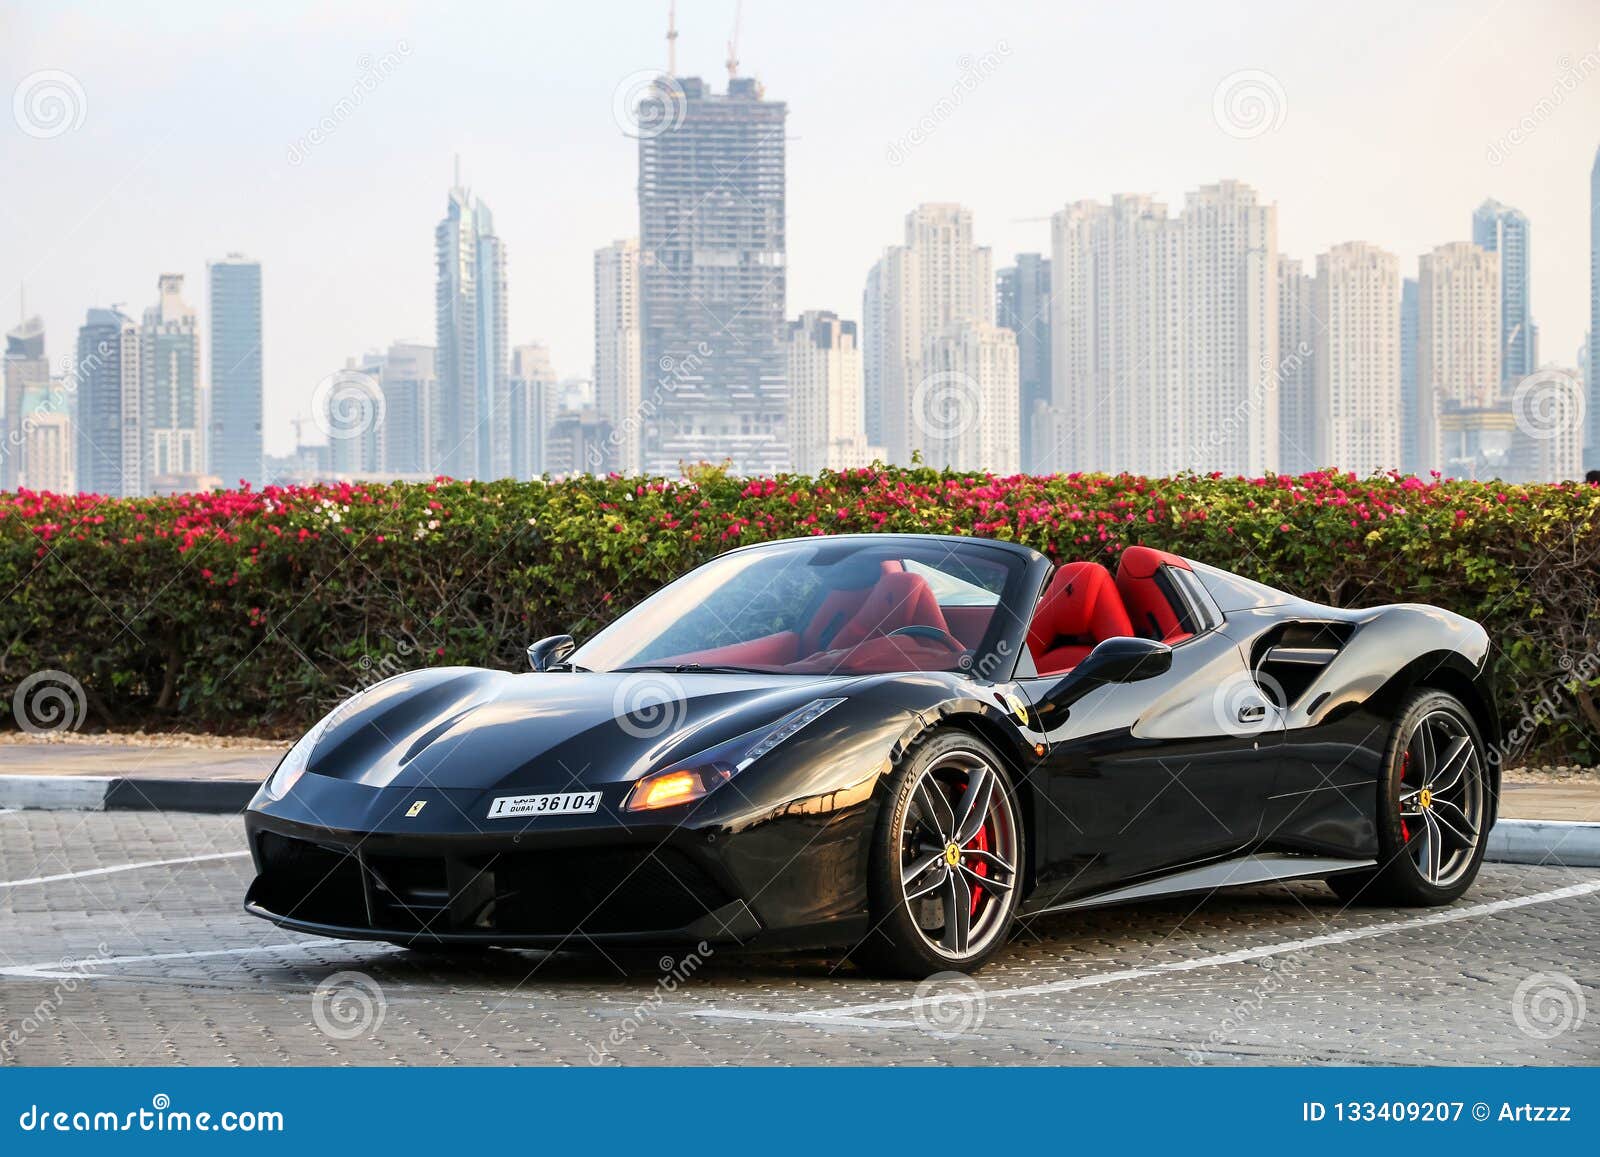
[1433, 745]
[913, 881]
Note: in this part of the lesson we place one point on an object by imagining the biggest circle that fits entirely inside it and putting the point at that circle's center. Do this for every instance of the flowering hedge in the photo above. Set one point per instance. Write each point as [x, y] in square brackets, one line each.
[254, 610]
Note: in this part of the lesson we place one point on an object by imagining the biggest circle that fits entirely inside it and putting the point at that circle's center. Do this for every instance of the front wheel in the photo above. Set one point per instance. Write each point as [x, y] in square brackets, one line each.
[946, 863]
[1434, 804]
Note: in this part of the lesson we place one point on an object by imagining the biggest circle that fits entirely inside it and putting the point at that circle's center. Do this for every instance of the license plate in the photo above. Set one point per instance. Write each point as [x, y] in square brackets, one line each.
[570, 803]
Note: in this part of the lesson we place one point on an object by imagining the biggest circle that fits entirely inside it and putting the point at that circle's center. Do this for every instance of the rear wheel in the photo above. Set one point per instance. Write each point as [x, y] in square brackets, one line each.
[946, 862]
[1433, 808]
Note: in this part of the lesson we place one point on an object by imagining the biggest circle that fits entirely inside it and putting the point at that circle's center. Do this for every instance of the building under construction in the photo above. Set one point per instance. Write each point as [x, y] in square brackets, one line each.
[713, 276]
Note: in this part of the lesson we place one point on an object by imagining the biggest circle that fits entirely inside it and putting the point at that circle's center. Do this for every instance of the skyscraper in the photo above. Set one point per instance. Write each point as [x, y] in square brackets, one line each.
[173, 403]
[1458, 345]
[873, 331]
[825, 404]
[966, 401]
[1230, 280]
[1501, 229]
[1297, 344]
[236, 370]
[25, 369]
[925, 290]
[410, 386]
[1357, 362]
[619, 351]
[1117, 392]
[1409, 329]
[1022, 305]
[533, 409]
[713, 251]
[106, 380]
[472, 437]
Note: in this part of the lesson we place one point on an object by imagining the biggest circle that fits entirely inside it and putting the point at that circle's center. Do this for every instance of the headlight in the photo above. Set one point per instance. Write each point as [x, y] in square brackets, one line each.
[293, 765]
[695, 777]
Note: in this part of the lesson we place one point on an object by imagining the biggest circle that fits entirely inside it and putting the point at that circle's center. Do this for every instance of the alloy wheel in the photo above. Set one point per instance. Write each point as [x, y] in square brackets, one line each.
[958, 855]
[1441, 798]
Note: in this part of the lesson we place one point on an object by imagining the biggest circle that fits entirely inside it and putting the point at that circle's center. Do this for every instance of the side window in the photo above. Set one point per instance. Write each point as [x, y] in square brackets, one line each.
[1202, 614]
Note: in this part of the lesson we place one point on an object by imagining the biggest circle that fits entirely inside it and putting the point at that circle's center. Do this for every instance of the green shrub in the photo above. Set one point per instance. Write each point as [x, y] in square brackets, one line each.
[241, 610]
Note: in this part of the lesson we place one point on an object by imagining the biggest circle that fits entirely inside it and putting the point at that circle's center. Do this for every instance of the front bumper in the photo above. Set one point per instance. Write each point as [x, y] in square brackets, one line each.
[346, 860]
[410, 890]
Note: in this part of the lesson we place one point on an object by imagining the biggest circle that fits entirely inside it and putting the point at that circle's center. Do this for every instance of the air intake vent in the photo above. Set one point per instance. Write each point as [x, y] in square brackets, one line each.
[1288, 659]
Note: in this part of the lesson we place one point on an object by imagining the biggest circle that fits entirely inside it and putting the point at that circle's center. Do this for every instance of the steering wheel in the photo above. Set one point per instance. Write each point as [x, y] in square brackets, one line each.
[925, 631]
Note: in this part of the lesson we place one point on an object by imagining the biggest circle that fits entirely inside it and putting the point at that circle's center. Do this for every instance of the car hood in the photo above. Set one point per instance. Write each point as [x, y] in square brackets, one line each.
[466, 727]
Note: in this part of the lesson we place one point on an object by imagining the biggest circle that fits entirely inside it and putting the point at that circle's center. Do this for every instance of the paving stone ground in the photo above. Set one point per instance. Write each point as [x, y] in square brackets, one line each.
[157, 965]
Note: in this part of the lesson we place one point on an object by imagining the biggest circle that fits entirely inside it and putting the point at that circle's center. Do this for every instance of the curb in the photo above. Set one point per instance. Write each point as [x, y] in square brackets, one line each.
[97, 793]
[1553, 843]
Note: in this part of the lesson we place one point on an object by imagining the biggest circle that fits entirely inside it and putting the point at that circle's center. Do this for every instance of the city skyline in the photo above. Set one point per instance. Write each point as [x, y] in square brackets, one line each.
[361, 286]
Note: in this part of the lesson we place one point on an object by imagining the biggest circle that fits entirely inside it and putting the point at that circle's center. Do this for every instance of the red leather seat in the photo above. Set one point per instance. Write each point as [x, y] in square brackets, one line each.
[1146, 596]
[898, 599]
[838, 608]
[1080, 607]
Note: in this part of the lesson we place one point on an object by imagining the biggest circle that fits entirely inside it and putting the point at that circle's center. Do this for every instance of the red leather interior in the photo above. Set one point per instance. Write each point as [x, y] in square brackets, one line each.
[1147, 604]
[1080, 607]
[837, 609]
[898, 599]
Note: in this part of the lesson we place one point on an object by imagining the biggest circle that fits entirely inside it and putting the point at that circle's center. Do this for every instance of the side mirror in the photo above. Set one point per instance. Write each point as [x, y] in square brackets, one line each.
[551, 654]
[1120, 660]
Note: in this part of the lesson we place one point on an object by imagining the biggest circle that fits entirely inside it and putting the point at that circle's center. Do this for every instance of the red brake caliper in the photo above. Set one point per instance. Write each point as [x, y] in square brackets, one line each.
[1405, 766]
[981, 843]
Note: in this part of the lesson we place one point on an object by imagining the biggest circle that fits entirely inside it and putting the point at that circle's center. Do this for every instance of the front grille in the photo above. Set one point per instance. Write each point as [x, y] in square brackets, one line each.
[543, 893]
[310, 882]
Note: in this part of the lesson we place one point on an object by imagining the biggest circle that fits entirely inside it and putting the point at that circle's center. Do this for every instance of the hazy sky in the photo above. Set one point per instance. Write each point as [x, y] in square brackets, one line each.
[191, 114]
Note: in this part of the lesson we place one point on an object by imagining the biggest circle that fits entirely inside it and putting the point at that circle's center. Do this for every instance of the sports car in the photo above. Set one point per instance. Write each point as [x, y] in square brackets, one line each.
[893, 746]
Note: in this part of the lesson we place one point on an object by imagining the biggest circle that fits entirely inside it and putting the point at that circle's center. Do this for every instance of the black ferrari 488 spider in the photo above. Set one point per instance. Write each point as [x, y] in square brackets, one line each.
[895, 745]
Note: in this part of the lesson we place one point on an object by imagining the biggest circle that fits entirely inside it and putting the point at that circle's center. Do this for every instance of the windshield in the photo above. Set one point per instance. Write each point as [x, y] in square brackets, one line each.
[842, 605]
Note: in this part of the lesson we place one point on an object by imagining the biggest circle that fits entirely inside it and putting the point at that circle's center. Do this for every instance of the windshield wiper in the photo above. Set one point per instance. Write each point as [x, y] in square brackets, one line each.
[703, 668]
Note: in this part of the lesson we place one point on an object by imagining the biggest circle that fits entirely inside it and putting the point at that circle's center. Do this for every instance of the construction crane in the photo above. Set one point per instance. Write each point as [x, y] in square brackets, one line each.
[733, 41]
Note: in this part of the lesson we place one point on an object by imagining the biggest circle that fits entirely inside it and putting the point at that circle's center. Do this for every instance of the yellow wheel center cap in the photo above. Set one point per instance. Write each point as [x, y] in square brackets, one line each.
[1426, 798]
[952, 854]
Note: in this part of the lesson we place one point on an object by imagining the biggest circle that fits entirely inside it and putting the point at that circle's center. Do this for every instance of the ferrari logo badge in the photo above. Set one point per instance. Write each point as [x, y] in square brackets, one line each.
[1018, 706]
[952, 854]
[1426, 798]
[416, 809]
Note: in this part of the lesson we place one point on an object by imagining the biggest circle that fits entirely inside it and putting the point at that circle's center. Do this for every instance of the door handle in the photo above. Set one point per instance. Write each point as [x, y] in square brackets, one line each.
[1252, 712]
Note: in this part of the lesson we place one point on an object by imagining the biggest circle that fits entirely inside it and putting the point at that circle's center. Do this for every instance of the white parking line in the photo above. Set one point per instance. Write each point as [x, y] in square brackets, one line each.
[860, 1014]
[73, 969]
[120, 868]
